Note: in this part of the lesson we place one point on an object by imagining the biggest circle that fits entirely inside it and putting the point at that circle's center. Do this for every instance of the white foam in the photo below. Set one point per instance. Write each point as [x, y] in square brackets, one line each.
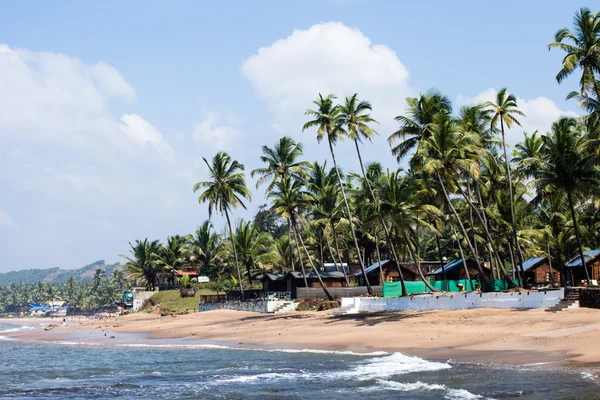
[270, 376]
[5, 338]
[448, 393]
[338, 352]
[588, 375]
[396, 364]
[21, 328]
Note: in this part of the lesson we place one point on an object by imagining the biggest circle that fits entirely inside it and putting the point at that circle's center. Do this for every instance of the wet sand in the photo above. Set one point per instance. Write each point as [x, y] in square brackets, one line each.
[478, 335]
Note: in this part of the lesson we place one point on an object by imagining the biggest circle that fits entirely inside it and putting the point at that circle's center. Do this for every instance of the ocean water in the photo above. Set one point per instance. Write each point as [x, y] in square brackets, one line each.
[71, 370]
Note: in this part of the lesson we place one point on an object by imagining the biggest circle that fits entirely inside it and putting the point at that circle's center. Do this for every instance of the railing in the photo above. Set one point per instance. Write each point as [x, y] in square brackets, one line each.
[249, 295]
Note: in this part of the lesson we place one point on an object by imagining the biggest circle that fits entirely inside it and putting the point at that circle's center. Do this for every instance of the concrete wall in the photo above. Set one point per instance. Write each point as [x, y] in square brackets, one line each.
[253, 306]
[336, 292]
[454, 302]
[140, 299]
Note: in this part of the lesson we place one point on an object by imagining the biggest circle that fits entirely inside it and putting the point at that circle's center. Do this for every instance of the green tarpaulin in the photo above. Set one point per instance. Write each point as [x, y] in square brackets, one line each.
[394, 289]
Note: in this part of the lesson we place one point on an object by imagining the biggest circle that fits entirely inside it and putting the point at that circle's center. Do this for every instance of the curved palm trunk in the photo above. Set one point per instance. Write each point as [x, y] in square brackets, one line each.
[337, 249]
[237, 265]
[329, 296]
[552, 278]
[290, 243]
[333, 258]
[437, 240]
[296, 234]
[512, 206]
[386, 231]
[576, 228]
[501, 269]
[462, 255]
[378, 258]
[417, 263]
[358, 254]
[486, 283]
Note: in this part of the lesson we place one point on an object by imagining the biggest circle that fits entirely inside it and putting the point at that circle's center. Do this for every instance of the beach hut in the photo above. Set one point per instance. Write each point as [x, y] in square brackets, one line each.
[575, 274]
[295, 279]
[390, 271]
[455, 270]
[274, 283]
[537, 271]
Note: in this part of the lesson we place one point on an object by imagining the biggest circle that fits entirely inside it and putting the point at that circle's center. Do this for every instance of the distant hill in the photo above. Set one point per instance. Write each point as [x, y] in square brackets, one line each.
[56, 275]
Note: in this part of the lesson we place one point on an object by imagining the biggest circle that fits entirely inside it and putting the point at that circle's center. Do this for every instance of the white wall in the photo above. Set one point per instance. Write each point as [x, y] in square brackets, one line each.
[140, 299]
[454, 302]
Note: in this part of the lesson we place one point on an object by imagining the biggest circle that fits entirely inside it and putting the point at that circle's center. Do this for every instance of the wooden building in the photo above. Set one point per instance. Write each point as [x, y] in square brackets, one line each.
[537, 271]
[389, 271]
[575, 275]
[292, 280]
[455, 270]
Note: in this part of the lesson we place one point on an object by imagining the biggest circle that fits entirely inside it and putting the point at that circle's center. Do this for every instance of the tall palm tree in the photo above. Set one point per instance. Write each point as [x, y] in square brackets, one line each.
[504, 112]
[328, 120]
[288, 198]
[416, 124]
[583, 52]
[282, 160]
[570, 164]
[143, 261]
[225, 190]
[173, 254]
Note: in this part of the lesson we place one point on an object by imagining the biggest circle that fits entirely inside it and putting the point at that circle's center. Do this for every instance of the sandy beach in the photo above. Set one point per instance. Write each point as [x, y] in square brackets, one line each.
[476, 335]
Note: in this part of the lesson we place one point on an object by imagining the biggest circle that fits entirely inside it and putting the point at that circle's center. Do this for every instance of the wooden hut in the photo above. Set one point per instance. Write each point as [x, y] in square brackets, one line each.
[455, 270]
[575, 275]
[274, 283]
[295, 279]
[537, 271]
[390, 271]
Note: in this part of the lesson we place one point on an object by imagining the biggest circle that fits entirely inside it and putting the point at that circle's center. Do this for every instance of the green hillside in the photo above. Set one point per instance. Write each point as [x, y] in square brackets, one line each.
[56, 275]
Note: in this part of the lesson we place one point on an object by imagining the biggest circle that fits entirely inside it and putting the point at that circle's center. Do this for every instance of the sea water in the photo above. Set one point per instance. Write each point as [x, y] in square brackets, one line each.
[72, 370]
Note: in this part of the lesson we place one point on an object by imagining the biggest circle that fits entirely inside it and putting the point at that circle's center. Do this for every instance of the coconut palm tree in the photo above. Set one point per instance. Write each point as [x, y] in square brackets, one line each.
[504, 113]
[281, 160]
[254, 248]
[583, 52]
[206, 247]
[416, 124]
[288, 198]
[225, 190]
[328, 120]
[143, 261]
[173, 254]
[570, 165]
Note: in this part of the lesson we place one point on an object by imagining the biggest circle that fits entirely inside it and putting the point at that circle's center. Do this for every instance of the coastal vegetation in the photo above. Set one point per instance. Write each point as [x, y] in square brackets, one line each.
[462, 190]
[465, 193]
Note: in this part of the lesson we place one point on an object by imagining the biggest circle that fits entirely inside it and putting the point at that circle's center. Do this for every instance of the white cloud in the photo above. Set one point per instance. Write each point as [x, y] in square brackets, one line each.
[217, 131]
[327, 58]
[143, 132]
[540, 113]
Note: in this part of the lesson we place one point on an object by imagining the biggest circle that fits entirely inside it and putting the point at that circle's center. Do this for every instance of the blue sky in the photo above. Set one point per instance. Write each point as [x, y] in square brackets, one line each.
[106, 108]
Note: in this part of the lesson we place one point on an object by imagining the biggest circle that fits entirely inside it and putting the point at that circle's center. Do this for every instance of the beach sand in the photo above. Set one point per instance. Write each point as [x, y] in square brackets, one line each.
[474, 335]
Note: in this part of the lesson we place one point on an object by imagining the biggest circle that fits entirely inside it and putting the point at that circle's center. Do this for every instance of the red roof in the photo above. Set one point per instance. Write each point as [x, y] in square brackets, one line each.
[182, 273]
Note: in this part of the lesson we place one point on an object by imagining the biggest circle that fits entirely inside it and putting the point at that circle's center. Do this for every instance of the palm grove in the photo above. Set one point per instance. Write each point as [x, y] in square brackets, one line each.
[466, 194]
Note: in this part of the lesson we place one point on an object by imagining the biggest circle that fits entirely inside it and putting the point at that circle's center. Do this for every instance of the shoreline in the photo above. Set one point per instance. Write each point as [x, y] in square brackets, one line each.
[487, 336]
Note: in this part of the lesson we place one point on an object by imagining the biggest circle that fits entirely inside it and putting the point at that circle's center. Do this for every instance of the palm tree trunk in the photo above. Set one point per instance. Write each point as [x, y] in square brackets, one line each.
[329, 297]
[511, 284]
[512, 205]
[417, 263]
[337, 249]
[360, 260]
[388, 237]
[290, 243]
[296, 234]
[462, 255]
[576, 228]
[471, 219]
[486, 283]
[512, 261]
[237, 265]
[549, 258]
[378, 259]
[333, 258]
[437, 240]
